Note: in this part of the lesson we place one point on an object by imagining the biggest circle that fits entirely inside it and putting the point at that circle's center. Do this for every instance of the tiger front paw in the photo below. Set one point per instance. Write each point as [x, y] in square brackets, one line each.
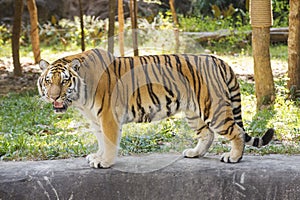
[228, 158]
[190, 153]
[95, 160]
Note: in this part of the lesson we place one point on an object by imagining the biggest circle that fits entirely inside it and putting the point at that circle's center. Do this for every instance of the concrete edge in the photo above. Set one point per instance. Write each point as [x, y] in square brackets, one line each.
[155, 176]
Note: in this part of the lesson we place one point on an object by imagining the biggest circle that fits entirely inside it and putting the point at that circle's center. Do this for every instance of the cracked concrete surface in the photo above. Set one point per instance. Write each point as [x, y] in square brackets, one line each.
[154, 176]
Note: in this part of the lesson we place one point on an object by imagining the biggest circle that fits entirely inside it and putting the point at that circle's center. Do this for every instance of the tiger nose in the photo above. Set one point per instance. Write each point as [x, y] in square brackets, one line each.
[54, 92]
[54, 97]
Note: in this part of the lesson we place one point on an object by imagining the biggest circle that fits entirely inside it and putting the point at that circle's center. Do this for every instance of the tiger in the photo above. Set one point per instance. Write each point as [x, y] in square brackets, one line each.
[111, 91]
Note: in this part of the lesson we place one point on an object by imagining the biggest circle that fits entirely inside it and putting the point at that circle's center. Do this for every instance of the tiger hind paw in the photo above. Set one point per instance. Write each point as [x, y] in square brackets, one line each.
[226, 158]
[95, 160]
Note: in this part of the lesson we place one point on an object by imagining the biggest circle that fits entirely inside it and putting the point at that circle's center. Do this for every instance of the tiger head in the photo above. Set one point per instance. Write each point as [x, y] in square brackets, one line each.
[59, 83]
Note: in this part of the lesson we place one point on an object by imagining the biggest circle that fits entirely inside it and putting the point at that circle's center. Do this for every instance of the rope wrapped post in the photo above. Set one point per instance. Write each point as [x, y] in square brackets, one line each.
[261, 21]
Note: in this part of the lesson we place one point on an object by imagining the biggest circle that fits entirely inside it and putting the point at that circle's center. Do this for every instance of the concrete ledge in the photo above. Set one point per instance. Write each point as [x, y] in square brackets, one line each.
[157, 176]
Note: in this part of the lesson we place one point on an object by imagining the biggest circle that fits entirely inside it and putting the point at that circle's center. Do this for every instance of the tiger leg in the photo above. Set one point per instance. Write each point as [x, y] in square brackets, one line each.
[108, 139]
[97, 130]
[205, 136]
[235, 134]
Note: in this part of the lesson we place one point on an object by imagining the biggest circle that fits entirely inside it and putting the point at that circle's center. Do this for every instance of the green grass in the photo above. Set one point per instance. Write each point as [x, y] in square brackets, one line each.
[31, 131]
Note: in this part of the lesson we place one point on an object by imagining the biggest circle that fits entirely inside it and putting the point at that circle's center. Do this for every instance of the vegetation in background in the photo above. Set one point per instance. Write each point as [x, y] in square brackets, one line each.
[30, 129]
[65, 34]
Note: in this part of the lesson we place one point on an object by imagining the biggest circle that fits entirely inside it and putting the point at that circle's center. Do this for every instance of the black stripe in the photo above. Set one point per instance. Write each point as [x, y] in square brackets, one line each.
[102, 105]
[133, 111]
[99, 55]
[196, 60]
[207, 99]
[85, 92]
[91, 57]
[153, 67]
[131, 64]
[222, 123]
[179, 68]
[235, 87]
[240, 124]
[220, 64]
[200, 129]
[239, 117]
[221, 85]
[237, 110]
[169, 101]
[247, 137]
[94, 96]
[78, 87]
[255, 142]
[154, 98]
[120, 67]
[238, 95]
[141, 110]
[191, 69]
[169, 66]
[207, 104]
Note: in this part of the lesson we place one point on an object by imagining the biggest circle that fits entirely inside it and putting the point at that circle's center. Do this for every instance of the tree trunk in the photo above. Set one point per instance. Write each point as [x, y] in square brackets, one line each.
[81, 26]
[176, 24]
[294, 47]
[121, 26]
[16, 37]
[174, 15]
[261, 20]
[133, 16]
[111, 25]
[34, 33]
[264, 85]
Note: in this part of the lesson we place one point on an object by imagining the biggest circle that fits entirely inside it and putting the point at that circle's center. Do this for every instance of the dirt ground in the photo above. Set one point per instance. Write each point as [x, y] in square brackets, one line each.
[10, 83]
[242, 65]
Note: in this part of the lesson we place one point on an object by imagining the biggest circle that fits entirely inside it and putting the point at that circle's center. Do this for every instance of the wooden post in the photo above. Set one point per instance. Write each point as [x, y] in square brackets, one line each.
[174, 15]
[176, 25]
[133, 16]
[261, 20]
[294, 49]
[34, 32]
[16, 37]
[111, 25]
[81, 26]
[121, 26]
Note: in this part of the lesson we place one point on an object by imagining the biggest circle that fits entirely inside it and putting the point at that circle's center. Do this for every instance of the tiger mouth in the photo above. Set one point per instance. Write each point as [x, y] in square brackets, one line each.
[59, 107]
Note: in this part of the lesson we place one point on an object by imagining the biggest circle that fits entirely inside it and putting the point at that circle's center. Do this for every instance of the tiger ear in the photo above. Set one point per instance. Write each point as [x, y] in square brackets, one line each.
[43, 64]
[75, 64]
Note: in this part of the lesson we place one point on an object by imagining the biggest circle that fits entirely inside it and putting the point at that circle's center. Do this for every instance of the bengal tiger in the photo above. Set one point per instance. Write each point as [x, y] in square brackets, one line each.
[111, 91]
